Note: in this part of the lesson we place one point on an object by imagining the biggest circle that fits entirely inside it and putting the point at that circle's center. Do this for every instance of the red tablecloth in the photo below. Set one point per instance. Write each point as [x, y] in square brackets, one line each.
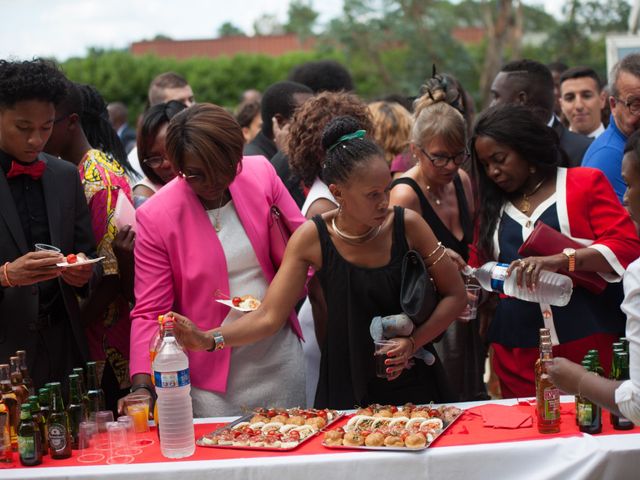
[469, 429]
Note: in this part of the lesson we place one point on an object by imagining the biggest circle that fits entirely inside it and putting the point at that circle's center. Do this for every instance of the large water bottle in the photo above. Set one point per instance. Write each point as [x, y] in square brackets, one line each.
[173, 386]
[552, 288]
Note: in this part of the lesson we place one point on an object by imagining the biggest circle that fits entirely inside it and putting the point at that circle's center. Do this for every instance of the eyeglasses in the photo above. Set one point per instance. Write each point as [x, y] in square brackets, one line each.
[443, 160]
[155, 161]
[194, 178]
[632, 105]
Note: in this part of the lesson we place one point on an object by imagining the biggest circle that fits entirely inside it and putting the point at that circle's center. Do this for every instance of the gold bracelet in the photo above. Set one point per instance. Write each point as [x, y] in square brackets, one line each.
[444, 252]
[6, 275]
[434, 251]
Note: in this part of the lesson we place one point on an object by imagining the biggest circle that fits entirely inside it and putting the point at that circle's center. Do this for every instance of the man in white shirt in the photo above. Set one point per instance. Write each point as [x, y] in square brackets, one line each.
[164, 88]
[582, 100]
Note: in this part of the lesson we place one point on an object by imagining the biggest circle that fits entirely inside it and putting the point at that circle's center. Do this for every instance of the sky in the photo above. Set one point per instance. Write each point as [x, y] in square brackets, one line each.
[67, 28]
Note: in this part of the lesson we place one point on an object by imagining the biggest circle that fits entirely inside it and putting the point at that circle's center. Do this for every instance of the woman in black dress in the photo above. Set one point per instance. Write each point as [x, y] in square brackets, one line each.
[356, 251]
[441, 192]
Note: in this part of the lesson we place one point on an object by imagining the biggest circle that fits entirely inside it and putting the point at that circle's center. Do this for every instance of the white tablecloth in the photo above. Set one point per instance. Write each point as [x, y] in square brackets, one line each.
[585, 457]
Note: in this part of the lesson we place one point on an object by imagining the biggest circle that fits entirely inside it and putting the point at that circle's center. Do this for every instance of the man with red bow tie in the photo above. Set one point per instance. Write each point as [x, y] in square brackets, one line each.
[41, 202]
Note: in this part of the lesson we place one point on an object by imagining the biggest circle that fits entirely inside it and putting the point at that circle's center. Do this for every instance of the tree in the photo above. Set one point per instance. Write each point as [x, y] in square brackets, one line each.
[267, 25]
[302, 18]
[228, 29]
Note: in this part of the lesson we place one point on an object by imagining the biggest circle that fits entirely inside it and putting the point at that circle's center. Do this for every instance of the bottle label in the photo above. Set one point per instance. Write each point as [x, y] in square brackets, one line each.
[27, 447]
[57, 437]
[585, 414]
[551, 398]
[172, 379]
[498, 275]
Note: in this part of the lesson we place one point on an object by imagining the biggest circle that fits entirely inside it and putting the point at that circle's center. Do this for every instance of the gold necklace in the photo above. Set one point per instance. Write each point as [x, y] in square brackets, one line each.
[526, 204]
[216, 214]
[365, 237]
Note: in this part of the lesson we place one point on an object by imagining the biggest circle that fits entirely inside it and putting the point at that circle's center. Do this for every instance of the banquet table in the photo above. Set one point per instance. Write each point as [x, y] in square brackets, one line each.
[569, 456]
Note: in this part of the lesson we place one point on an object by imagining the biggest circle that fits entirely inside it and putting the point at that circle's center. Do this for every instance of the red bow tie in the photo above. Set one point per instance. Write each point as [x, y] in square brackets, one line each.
[34, 169]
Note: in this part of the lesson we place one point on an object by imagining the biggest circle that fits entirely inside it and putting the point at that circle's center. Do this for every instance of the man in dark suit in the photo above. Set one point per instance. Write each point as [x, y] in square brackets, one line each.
[41, 202]
[530, 83]
[118, 117]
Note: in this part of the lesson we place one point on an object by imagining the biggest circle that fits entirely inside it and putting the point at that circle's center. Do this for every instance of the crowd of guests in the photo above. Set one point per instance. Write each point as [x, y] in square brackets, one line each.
[354, 187]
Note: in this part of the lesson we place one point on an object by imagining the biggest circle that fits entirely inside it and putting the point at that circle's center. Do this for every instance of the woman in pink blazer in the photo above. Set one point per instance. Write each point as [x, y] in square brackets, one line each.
[206, 234]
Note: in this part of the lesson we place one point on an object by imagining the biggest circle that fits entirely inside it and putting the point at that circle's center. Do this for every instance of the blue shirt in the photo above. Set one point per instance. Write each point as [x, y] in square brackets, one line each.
[605, 153]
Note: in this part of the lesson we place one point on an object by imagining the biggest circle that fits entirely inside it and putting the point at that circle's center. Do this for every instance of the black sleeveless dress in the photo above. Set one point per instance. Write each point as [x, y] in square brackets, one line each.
[461, 349]
[354, 295]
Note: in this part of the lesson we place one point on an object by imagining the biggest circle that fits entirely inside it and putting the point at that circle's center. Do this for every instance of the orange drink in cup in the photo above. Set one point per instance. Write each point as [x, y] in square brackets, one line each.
[137, 407]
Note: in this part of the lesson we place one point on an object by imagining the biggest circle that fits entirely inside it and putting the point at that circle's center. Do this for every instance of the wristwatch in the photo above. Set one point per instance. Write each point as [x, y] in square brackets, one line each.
[570, 253]
[218, 341]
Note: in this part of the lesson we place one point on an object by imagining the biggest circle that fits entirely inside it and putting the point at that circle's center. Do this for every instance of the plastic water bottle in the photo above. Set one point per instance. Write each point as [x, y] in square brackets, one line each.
[552, 288]
[173, 386]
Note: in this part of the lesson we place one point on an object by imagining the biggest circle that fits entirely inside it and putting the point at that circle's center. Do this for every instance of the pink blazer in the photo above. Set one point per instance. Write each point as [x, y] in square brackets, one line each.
[180, 262]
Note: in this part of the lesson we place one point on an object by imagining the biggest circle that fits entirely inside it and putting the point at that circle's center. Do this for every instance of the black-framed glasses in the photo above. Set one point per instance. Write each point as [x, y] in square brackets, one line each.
[443, 160]
[632, 105]
[155, 161]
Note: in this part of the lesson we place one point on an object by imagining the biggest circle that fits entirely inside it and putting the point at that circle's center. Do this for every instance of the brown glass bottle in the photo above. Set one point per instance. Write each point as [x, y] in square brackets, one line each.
[29, 440]
[17, 384]
[94, 391]
[58, 426]
[11, 401]
[40, 421]
[6, 452]
[548, 410]
[24, 370]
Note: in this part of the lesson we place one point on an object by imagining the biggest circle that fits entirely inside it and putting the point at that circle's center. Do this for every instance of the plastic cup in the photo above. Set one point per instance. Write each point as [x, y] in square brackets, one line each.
[137, 407]
[119, 452]
[133, 448]
[471, 310]
[382, 347]
[87, 434]
[101, 418]
[43, 247]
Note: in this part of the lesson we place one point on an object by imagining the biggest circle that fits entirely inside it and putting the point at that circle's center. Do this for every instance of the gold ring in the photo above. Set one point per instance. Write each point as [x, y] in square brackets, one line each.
[530, 269]
[523, 264]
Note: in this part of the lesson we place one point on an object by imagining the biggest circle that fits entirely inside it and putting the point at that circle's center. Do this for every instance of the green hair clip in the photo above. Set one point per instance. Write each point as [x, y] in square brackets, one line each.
[348, 136]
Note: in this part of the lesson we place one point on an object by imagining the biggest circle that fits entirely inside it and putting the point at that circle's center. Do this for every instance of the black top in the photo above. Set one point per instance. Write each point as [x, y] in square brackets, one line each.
[293, 182]
[28, 197]
[573, 144]
[440, 230]
[261, 145]
[355, 295]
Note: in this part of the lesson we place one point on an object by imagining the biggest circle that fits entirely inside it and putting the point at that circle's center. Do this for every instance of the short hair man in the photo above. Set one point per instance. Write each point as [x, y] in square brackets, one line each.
[323, 76]
[118, 116]
[606, 151]
[163, 88]
[530, 83]
[41, 202]
[278, 104]
[582, 101]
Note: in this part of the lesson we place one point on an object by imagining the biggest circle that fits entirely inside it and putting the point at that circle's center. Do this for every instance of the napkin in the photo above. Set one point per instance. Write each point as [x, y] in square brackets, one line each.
[504, 416]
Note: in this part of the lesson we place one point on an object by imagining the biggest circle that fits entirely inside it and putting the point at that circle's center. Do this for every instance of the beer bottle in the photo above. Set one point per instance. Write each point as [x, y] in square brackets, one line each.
[6, 452]
[548, 397]
[594, 355]
[29, 440]
[589, 413]
[40, 421]
[18, 386]
[24, 370]
[94, 391]
[45, 402]
[76, 409]
[11, 401]
[58, 426]
[83, 388]
[625, 343]
[622, 360]
[545, 350]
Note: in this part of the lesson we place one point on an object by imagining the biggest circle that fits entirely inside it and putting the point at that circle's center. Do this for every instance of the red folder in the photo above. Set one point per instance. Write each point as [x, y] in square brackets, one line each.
[545, 241]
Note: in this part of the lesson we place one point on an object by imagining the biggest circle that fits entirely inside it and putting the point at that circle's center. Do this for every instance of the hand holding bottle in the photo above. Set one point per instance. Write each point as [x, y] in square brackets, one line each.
[527, 270]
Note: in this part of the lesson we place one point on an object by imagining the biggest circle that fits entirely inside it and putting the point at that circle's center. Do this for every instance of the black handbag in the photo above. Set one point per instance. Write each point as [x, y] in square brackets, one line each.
[418, 294]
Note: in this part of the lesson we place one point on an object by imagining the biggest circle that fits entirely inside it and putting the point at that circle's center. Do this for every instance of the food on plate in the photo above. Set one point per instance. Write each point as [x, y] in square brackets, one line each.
[353, 439]
[416, 440]
[272, 429]
[72, 258]
[247, 302]
[407, 427]
[375, 439]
